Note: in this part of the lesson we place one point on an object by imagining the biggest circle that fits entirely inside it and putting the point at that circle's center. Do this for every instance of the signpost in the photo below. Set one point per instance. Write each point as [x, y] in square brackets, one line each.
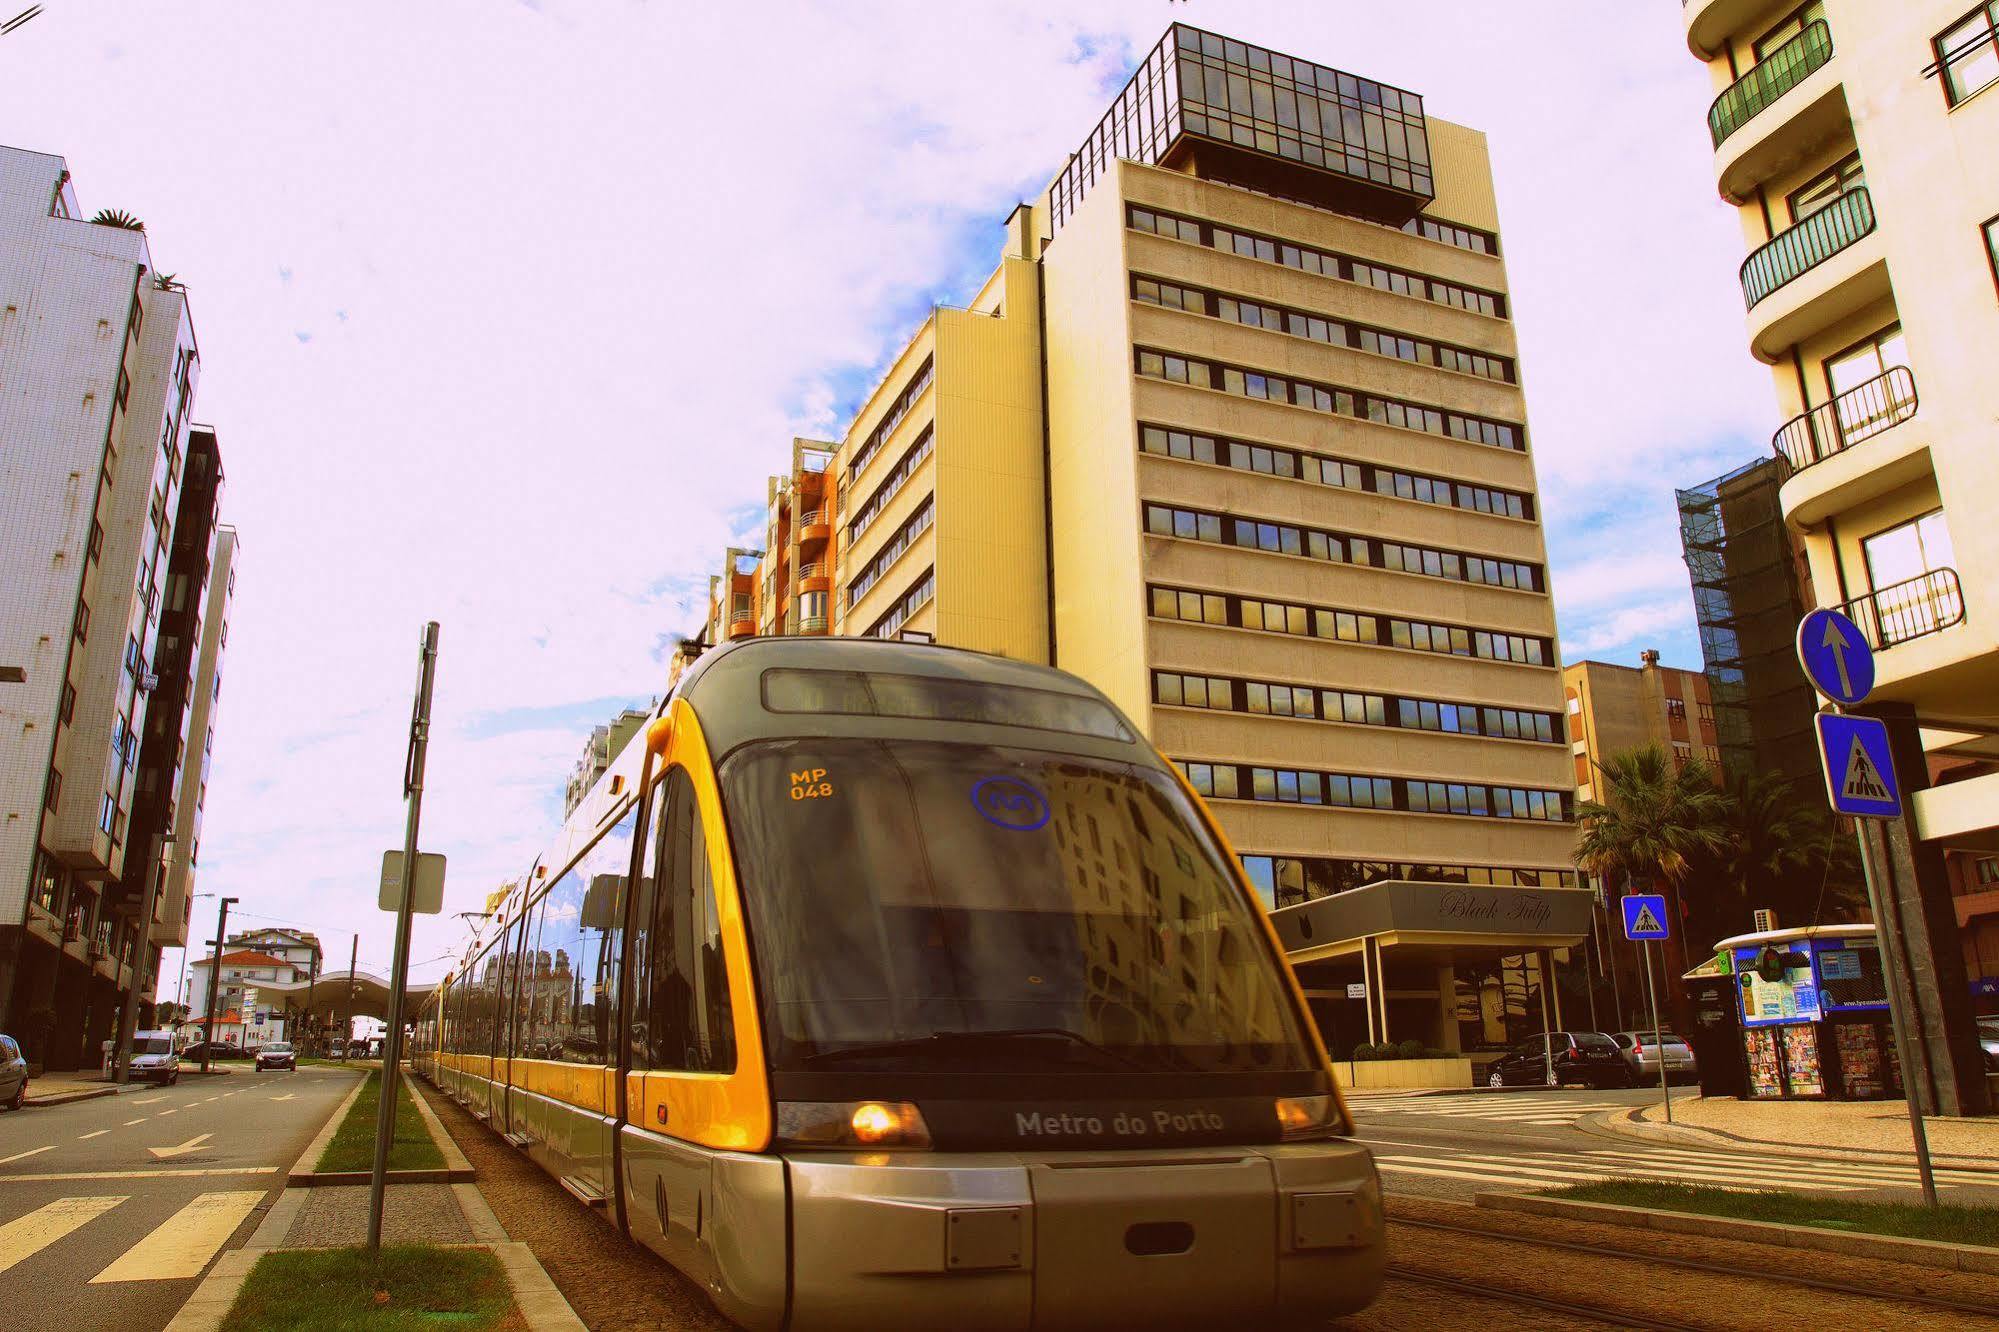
[1836, 657]
[1860, 783]
[392, 1039]
[1644, 923]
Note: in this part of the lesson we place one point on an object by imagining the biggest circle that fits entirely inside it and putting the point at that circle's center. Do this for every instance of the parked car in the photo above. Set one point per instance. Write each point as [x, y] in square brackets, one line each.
[153, 1057]
[1587, 1057]
[1641, 1051]
[13, 1074]
[277, 1055]
[1988, 1041]
[193, 1053]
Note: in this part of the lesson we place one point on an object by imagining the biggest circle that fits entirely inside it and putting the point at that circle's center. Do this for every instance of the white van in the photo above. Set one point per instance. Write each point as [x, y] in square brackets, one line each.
[153, 1057]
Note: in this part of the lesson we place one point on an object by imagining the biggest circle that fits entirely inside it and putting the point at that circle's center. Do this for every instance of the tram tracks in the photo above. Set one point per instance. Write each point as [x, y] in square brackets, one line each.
[1546, 1304]
[1910, 1301]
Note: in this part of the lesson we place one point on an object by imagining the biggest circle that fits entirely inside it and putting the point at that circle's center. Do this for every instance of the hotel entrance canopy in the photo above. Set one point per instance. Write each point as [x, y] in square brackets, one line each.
[1441, 919]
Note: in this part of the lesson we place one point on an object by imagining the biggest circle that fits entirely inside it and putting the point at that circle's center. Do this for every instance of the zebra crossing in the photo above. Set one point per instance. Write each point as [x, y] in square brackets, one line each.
[1683, 1165]
[177, 1248]
[1548, 1109]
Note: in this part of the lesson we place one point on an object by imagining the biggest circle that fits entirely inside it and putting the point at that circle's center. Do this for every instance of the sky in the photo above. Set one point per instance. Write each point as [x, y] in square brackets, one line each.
[507, 310]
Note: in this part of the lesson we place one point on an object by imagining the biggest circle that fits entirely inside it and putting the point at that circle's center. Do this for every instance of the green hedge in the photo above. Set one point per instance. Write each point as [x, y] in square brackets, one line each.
[1406, 1050]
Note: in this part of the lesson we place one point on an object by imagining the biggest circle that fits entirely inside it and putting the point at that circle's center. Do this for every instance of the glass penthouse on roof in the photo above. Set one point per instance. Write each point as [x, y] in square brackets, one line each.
[1233, 112]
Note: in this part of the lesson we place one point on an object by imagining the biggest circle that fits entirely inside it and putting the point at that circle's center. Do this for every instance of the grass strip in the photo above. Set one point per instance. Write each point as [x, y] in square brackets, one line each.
[1950, 1223]
[324, 1290]
[353, 1144]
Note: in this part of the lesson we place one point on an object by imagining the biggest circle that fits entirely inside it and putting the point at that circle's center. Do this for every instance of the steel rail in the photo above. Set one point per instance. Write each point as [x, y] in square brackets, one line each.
[1583, 1311]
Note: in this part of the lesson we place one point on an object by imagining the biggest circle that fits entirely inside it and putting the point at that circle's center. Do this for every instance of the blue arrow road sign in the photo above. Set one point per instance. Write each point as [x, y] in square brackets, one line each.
[1859, 769]
[1835, 656]
[1645, 916]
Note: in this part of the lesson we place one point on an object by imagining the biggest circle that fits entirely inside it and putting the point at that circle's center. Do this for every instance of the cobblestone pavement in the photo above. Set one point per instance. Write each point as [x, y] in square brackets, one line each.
[613, 1284]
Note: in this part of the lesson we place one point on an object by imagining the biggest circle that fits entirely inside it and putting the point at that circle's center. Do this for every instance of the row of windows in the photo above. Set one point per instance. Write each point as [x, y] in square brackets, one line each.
[1283, 881]
[907, 605]
[1231, 694]
[1310, 259]
[1328, 398]
[914, 526]
[1322, 470]
[1285, 539]
[893, 483]
[1318, 328]
[1301, 786]
[891, 418]
[1172, 603]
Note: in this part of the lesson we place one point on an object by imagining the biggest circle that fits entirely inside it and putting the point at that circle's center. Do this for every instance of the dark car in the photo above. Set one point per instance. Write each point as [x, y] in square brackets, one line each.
[194, 1053]
[1587, 1057]
[13, 1074]
[277, 1055]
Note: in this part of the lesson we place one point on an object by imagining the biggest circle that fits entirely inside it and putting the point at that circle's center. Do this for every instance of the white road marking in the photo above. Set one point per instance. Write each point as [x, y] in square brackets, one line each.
[22, 1156]
[162, 1114]
[286, 1097]
[181, 1245]
[191, 1145]
[140, 1120]
[88, 1136]
[24, 1237]
[148, 1100]
[61, 1176]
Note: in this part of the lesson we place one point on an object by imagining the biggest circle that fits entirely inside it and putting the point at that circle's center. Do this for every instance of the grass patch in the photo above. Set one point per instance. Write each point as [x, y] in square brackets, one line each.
[323, 1290]
[353, 1144]
[1950, 1223]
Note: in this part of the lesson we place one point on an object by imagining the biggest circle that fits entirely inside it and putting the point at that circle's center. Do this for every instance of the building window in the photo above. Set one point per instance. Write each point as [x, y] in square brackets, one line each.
[882, 560]
[96, 549]
[907, 605]
[1992, 247]
[53, 796]
[1987, 869]
[1826, 188]
[892, 484]
[1968, 53]
[82, 621]
[891, 418]
[107, 813]
[1676, 709]
[1908, 551]
[1791, 25]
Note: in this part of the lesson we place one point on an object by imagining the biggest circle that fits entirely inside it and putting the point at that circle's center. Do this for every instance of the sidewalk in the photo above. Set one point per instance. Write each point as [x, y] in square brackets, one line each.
[336, 1216]
[1879, 1128]
[89, 1084]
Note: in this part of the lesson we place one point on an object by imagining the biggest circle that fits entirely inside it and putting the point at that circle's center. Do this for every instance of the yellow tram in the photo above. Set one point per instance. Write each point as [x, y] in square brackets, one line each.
[888, 985]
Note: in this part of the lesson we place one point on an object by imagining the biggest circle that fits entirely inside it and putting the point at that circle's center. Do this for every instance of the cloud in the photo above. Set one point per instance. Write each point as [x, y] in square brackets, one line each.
[614, 258]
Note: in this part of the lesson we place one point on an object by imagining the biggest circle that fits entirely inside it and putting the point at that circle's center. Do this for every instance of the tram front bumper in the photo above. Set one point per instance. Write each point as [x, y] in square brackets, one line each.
[1278, 1235]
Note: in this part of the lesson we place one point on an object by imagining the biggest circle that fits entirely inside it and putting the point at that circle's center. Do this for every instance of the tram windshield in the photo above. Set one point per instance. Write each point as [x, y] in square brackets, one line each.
[931, 905]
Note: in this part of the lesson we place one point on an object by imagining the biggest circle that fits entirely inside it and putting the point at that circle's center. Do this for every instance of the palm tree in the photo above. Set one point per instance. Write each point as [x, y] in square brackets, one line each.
[118, 217]
[1783, 852]
[1654, 822]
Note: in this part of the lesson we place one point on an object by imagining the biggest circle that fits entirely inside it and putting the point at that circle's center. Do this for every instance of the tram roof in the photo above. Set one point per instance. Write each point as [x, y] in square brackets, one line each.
[728, 689]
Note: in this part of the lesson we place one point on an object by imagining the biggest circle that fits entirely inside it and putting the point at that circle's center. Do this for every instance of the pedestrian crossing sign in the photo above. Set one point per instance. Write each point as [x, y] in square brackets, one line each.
[1645, 916]
[1859, 770]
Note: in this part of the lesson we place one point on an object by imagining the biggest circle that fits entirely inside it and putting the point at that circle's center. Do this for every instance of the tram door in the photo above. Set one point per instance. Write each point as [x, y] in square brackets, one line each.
[680, 1038]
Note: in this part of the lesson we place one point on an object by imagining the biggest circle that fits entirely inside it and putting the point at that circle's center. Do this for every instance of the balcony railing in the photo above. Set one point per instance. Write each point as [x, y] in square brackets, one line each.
[1784, 69]
[816, 569]
[1895, 614]
[1810, 243]
[1857, 414]
[812, 624]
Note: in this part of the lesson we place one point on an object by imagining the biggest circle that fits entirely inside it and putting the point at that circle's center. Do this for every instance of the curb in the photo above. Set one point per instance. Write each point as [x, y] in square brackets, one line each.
[1890, 1248]
[71, 1097]
[456, 1169]
[1626, 1124]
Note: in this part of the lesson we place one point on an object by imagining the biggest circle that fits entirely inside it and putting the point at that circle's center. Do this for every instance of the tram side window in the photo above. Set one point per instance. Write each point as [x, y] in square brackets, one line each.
[534, 1032]
[681, 1018]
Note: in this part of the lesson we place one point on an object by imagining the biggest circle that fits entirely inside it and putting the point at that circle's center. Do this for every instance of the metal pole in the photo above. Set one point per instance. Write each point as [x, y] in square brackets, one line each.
[311, 984]
[121, 1051]
[1547, 1032]
[1902, 1013]
[1652, 1001]
[392, 1039]
[353, 960]
[214, 984]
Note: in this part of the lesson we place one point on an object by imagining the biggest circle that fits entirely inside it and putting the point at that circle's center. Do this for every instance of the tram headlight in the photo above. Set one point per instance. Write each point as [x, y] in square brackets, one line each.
[851, 1124]
[1305, 1116]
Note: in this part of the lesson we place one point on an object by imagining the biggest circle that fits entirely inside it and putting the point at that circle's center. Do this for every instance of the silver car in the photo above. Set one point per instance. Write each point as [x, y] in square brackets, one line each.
[1988, 1041]
[1642, 1051]
[13, 1074]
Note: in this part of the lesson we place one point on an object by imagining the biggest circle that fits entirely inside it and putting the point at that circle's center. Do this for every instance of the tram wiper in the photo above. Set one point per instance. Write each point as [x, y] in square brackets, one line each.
[938, 1042]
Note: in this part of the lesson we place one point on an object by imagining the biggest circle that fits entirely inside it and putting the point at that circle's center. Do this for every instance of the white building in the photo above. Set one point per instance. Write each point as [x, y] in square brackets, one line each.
[98, 366]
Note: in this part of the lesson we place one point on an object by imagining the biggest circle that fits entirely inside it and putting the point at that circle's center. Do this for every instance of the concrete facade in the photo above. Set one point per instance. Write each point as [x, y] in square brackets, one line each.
[1616, 708]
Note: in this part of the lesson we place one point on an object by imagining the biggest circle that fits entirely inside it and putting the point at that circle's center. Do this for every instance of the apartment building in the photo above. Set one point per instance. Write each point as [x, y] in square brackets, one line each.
[1615, 708]
[1235, 430]
[99, 364]
[1859, 143]
[606, 742]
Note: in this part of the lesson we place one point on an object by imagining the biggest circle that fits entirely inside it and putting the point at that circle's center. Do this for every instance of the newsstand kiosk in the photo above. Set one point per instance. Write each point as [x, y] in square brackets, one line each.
[1814, 1012]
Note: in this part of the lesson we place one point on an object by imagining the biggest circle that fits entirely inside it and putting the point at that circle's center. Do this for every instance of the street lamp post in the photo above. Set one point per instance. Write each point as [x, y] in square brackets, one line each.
[214, 984]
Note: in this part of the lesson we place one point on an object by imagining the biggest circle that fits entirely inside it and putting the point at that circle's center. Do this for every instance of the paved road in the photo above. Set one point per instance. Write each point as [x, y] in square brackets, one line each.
[111, 1210]
[1456, 1146]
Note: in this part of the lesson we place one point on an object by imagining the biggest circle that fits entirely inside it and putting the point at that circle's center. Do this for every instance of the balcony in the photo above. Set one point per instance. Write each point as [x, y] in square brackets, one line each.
[1830, 265]
[811, 624]
[813, 527]
[742, 626]
[1828, 473]
[1806, 105]
[1756, 91]
[814, 577]
[1858, 414]
[1902, 612]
